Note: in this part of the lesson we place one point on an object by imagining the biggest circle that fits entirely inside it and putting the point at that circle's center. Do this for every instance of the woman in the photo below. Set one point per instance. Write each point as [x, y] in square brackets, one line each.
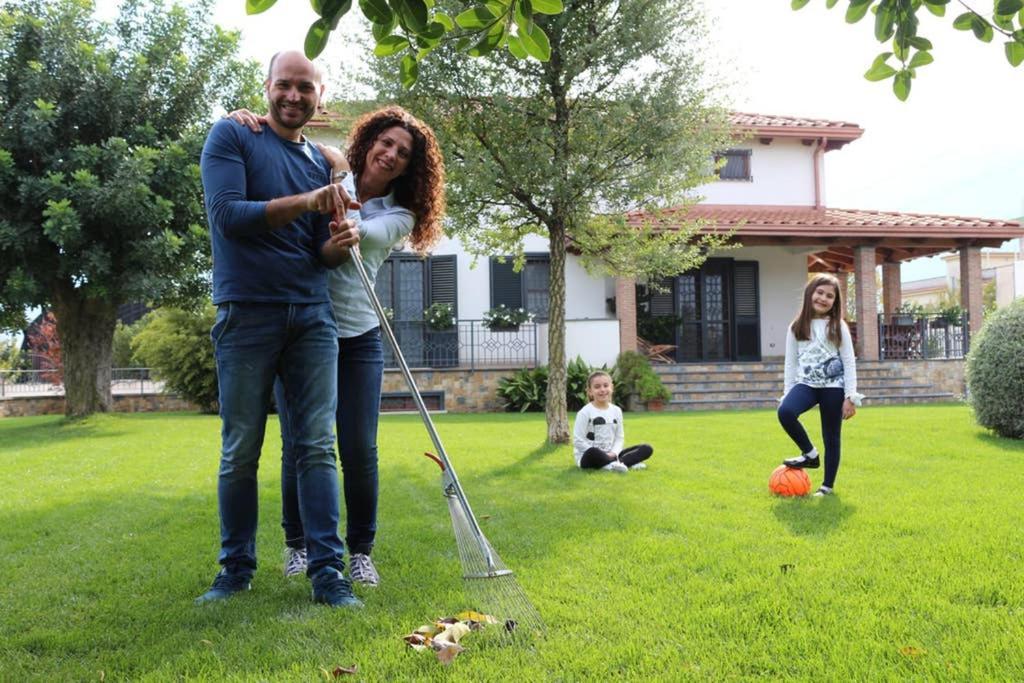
[397, 175]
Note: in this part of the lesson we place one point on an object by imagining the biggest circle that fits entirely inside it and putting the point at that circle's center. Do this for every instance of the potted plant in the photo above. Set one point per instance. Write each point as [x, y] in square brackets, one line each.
[439, 317]
[504, 319]
[906, 313]
[637, 384]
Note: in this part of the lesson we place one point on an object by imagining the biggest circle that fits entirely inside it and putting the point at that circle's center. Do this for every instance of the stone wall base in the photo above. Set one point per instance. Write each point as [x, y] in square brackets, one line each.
[465, 391]
[946, 375]
[23, 406]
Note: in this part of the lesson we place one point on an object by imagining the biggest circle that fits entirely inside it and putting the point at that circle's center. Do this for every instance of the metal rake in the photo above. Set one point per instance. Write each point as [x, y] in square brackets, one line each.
[491, 584]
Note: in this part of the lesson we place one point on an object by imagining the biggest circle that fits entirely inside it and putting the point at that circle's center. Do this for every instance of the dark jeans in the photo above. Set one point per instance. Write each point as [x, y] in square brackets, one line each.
[298, 345]
[595, 458]
[360, 370]
[798, 401]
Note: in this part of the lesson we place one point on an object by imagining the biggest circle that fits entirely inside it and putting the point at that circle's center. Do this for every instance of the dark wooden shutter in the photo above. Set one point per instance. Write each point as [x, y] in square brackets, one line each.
[442, 281]
[747, 307]
[506, 285]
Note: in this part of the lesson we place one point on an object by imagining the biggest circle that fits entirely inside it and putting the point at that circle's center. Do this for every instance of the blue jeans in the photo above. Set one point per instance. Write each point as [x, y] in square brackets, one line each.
[360, 369]
[798, 401]
[297, 344]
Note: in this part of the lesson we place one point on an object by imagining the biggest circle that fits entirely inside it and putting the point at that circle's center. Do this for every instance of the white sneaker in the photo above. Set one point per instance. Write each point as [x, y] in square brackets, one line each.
[615, 467]
[638, 466]
[294, 561]
[822, 492]
[362, 571]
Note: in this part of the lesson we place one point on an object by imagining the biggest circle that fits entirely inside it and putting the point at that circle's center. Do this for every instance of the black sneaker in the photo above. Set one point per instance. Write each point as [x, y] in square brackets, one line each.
[803, 462]
[334, 590]
[225, 584]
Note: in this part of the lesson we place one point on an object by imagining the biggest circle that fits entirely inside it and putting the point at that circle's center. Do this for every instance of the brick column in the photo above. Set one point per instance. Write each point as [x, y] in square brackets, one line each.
[867, 308]
[892, 292]
[625, 311]
[844, 287]
[970, 285]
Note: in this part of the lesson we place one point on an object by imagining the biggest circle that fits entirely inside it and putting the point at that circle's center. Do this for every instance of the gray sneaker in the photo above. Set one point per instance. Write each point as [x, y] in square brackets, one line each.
[362, 571]
[294, 561]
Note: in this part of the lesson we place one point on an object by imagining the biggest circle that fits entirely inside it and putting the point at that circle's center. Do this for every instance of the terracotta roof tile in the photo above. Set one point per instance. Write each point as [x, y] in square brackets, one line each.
[810, 221]
[769, 120]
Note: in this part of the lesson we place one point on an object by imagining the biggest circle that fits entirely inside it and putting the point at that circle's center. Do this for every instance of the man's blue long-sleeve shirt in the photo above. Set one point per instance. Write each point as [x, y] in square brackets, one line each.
[241, 173]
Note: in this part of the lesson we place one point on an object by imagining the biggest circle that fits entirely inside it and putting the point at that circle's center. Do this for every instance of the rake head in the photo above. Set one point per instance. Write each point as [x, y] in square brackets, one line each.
[489, 583]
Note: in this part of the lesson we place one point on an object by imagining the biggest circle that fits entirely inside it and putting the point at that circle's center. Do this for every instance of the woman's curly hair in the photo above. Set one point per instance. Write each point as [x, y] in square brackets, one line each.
[421, 187]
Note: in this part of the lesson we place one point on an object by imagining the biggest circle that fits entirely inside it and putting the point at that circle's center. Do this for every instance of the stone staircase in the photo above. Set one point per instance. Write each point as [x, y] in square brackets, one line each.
[726, 386]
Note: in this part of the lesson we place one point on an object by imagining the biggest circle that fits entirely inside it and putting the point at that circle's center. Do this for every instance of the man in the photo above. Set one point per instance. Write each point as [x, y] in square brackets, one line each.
[270, 199]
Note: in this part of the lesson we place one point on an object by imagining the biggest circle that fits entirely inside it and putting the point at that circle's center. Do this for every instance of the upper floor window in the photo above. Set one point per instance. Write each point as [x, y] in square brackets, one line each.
[737, 164]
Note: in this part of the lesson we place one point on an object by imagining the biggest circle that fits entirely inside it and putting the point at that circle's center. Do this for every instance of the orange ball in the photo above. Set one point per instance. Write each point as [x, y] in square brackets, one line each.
[789, 481]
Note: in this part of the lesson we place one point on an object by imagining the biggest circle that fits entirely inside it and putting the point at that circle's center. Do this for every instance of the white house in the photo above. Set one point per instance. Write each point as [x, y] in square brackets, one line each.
[736, 307]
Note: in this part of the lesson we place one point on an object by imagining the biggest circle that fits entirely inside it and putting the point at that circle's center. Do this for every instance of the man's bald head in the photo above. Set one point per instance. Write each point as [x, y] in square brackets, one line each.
[296, 57]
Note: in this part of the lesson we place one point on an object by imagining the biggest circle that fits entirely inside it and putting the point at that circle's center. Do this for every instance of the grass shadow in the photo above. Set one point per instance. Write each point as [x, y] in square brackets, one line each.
[1000, 442]
[53, 431]
[813, 516]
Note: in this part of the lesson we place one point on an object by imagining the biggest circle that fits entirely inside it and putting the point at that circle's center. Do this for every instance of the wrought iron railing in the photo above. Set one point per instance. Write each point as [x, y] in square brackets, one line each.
[922, 337]
[467, 344]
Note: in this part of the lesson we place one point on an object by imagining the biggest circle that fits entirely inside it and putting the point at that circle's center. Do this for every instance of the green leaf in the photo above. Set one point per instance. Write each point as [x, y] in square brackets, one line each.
[333, 10]
[536, 44]
[316, 38]
[936, 8]
[1003, 22]
[414, 13]
[964, 21]
[409, 71]
[1009, 6]
[377, 11]
[548, 6]
[524, 16]
[920, 58]
[257, 6]
[491, 40]
[884, 25]
[919, 43]
[901, 85]
[829, 4]
[390, 45]
[857, 9]
[515, 46]
[475, 17]
[879, 72]
[901, 48]
[1014, 53]
[445, 21]
[797, 4]
[982, 29]
[382, 31]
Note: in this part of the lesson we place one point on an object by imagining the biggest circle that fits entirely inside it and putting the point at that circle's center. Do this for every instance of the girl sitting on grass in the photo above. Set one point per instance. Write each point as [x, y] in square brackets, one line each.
[820, 369]
[598, 435]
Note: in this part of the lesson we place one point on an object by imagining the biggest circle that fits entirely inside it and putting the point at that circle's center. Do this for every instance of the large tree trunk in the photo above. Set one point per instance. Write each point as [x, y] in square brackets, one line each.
[86, 330]
[558, 421]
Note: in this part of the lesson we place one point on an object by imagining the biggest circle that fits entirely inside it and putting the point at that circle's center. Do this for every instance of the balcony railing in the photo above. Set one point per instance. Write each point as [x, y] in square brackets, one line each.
[468, 344]
[922, 337]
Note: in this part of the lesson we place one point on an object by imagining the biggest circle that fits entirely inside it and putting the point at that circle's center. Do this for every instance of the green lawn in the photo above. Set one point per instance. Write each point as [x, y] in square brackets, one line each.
[688, 570]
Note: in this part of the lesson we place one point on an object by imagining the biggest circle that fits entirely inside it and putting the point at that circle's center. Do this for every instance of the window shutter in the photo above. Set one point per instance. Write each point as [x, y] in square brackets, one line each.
[746, 304]
[506, 285]
[661, 302]
[442, 281]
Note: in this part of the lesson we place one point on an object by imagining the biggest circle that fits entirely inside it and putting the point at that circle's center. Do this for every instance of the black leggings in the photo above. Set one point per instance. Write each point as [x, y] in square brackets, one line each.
[798, 401]
[594, 458]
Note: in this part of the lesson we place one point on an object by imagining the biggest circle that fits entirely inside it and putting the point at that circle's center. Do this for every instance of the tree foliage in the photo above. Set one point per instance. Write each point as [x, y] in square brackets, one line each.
[100, 198]
[413, 28]
[176, 344]
[616, 120]
[897, 21]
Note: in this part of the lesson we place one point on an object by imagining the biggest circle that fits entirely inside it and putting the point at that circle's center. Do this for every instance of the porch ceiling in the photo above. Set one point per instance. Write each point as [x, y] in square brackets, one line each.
[895, 236]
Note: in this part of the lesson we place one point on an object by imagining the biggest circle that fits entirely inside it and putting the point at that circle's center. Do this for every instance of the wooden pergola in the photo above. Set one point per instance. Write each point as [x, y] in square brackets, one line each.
[856, 241]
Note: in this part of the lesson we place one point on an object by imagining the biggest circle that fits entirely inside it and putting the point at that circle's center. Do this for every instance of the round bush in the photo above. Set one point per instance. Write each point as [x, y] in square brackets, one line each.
[995, 372]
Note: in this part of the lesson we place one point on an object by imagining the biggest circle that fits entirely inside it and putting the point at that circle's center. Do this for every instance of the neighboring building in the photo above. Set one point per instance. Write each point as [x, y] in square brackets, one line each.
[1003, 269]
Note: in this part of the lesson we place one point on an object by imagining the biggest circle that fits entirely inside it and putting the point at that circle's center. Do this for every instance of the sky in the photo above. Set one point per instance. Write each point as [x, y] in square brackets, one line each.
[955, 147]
